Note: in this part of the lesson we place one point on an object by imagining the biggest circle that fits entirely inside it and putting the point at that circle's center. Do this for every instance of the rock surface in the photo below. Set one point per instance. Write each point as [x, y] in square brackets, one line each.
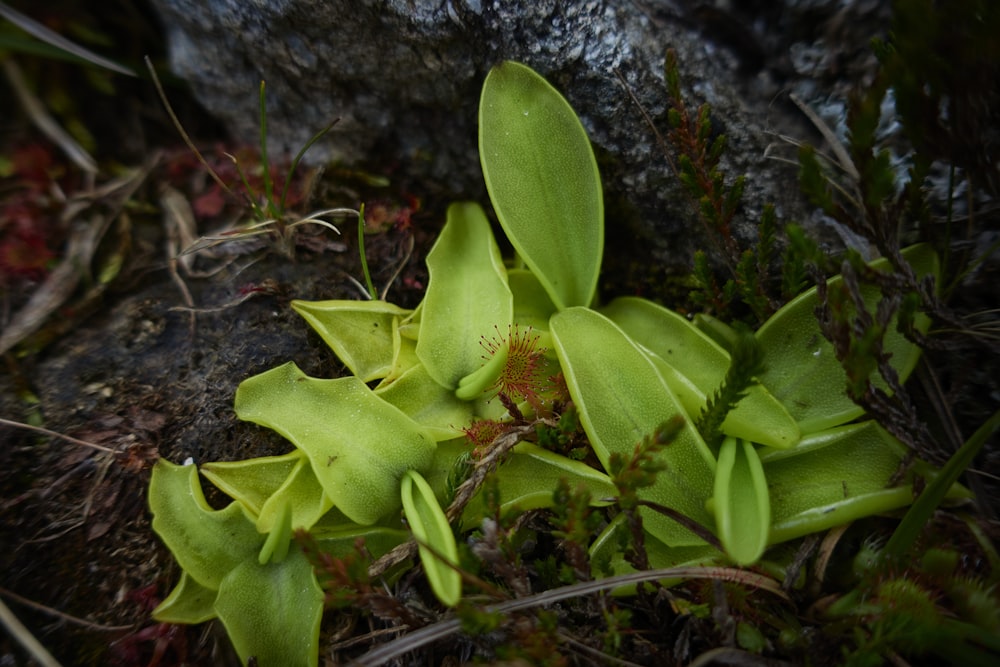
[404, 77]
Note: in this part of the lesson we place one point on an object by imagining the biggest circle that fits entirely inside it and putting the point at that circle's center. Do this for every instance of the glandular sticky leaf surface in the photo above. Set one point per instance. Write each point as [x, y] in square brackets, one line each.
[467, 297]
[358, 444]
[207, 543]
[622, 399]
[543, 181]
[359, 332]
[702, 364]
[272, 612]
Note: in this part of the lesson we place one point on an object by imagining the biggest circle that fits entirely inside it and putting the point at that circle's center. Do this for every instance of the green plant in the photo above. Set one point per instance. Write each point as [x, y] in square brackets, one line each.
[270, 211]
[777, 457]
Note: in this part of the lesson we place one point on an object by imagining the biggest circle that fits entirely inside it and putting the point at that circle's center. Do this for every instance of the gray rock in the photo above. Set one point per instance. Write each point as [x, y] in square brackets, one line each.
[405, 75]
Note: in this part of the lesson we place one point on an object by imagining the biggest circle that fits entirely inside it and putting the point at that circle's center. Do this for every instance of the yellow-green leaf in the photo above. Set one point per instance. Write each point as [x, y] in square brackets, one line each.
[189, 602]
[801, 367]
[622, 399]
[207, 543]
[741, 503]
[435, 539]
[251, 481]
[833, 477]
[758, 417]
[543, 181]
[431, 405]
[467, 297]
[530, 474]
[272, 612]
[359, 445]
[359, 332]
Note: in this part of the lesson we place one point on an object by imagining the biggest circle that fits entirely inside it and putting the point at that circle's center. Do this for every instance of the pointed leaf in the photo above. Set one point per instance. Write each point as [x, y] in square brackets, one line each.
[358, 444]
[435, 539]
[359, 332]
[467, 297]
[802, 370]
[622, 399]
[741, 503]
[272, 612]
[207, 543]
[543, 181]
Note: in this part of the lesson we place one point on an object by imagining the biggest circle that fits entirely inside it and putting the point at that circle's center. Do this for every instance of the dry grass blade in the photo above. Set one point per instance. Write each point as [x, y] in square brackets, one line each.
[83, 242]
[843, 158]
[443, 629]
[180, 128]
[45, 123]
[25, 638]
[39, 31]
[54, 434]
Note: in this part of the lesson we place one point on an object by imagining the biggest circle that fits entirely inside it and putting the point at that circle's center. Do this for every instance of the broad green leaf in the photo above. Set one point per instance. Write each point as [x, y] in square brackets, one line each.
[699, 360]
[359, 332]
[467, 297]
[428, 403]
[189, 602]
[741, 504]
[530, 474]
[359, 445]
[435, 539]
[833, 477]
[543, 181]
[272, 612]
[207, 543]
[251, 481]
[622, 399]
[802, 370]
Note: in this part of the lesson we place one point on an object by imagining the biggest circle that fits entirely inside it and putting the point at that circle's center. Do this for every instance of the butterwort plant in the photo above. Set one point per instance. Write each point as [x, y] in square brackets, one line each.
[769, 447]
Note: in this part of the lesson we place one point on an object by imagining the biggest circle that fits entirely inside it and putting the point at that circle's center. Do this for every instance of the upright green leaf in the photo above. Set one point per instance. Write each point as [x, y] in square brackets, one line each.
[622, 399]
[543, 181]
[358, 444]
[435, 539]
[467, 297]
[741, 503]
